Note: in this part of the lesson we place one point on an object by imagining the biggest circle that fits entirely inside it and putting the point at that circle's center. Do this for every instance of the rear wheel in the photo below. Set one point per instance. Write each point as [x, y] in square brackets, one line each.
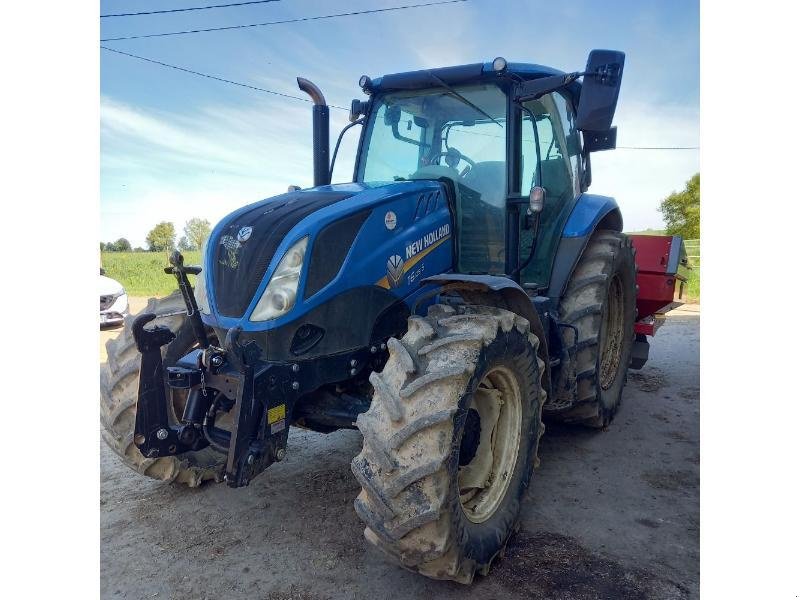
[119, 388]
[450, 440]
[600, 303]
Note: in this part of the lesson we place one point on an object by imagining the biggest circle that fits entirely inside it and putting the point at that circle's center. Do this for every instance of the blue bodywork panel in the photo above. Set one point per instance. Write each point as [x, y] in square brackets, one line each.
[584, 218]
[587, 213]
[420, 242]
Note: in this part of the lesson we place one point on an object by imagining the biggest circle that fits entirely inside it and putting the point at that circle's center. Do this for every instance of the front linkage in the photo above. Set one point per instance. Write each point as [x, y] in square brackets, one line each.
[261, 394]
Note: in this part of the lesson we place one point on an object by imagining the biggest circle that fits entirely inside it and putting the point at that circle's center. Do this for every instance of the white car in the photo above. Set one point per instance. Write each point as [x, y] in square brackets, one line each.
[113, 301]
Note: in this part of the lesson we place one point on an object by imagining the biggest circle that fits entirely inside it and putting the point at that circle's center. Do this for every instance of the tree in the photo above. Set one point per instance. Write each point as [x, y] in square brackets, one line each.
[161, 237]
[196, 231]
[681, 210]
[102, 246]
[183, 244]
[122, 245]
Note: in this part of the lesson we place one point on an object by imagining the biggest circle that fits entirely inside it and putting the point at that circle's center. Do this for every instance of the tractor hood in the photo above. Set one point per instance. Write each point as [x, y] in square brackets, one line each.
[363, 225]
[247, 241]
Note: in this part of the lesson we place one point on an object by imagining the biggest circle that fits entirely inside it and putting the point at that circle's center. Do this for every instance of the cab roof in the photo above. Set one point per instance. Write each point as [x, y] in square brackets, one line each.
[465, 74]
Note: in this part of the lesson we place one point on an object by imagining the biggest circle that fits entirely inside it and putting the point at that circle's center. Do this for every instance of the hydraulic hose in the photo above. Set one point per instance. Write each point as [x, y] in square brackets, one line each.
[210, 432]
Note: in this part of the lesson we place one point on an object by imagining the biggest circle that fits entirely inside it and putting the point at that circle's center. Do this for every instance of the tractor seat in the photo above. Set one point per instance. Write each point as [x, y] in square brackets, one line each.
[488, 179]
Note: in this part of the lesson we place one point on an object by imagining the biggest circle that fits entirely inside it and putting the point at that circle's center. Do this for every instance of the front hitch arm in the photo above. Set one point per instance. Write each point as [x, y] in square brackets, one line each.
[153, 434]
[181, 271]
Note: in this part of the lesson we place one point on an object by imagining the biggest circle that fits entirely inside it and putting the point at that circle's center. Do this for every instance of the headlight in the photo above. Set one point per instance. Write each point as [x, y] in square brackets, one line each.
[281, 292]
[200, 293]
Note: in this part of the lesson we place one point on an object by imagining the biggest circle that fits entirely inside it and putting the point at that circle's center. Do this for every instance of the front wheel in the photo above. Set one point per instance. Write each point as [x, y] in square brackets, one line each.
[119, 390]
[450, 440]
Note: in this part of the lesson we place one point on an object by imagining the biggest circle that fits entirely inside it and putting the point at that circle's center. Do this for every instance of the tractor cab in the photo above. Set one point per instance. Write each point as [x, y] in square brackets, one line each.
[481, 130]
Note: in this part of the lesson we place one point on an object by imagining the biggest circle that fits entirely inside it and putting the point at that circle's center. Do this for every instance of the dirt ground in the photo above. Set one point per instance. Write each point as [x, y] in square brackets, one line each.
[611, 514]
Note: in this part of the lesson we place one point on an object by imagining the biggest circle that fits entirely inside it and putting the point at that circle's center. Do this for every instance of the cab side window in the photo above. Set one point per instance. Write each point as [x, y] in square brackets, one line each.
[572, 141]
[551, 158]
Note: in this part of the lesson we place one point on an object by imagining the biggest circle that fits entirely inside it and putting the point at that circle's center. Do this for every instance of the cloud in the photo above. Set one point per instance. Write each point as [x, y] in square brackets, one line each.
[158, 165]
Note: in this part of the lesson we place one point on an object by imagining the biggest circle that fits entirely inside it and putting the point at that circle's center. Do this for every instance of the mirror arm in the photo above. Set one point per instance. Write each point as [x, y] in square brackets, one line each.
[536, 88]
[339, 141]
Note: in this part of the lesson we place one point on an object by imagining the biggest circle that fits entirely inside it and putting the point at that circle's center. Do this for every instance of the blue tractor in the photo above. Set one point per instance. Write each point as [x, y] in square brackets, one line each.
[462, 286]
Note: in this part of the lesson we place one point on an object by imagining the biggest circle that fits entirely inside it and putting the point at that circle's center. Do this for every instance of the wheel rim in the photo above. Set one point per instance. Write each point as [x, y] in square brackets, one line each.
[485, 478]
[612, 330]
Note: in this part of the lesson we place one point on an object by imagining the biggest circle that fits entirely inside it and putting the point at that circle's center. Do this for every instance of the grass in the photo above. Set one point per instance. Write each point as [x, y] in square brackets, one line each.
[142, 273]
[692, 289]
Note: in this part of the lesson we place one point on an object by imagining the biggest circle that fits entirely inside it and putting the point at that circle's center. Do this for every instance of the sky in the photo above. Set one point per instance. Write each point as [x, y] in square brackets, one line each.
[176, 146]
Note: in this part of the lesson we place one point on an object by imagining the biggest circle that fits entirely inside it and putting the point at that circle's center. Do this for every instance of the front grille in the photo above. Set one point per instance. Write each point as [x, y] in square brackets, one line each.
[107, 301]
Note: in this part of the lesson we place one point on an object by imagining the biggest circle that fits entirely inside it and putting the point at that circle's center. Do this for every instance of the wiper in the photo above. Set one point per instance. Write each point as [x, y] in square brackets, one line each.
[464, 100]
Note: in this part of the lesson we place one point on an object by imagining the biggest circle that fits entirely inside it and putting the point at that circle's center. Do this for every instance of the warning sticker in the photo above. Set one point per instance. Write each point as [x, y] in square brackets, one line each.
[276, 413]
[279, 426]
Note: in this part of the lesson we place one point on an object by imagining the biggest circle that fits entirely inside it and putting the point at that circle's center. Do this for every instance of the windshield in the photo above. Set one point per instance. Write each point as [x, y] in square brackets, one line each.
[458, 133]
[410, 131]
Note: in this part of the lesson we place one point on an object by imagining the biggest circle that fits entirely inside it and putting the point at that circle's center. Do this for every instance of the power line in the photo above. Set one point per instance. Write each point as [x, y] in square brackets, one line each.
[175, 10]
[297, 20]
[274, 93]
[214, 77]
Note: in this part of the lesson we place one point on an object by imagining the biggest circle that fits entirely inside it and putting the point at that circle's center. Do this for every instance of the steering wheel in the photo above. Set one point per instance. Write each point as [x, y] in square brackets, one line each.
[452, 157]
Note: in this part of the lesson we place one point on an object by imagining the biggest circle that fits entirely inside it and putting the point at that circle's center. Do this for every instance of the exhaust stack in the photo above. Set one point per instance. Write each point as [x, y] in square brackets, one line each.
[321, 132]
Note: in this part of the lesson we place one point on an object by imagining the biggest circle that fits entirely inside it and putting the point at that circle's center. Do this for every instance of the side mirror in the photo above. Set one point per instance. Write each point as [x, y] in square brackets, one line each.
[536, 200]
[600, 90]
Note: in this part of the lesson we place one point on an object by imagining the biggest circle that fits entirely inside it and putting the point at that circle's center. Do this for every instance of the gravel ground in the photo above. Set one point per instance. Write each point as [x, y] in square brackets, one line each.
[611, 514]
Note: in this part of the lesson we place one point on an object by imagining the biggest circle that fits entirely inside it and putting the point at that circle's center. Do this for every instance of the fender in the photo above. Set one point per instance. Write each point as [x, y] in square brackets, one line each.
[591, 212]
[502, 292]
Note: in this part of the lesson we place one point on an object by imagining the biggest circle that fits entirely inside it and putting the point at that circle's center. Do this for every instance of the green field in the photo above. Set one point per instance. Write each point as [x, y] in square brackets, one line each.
[693, 283]
[692, 291]
[142, 273]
